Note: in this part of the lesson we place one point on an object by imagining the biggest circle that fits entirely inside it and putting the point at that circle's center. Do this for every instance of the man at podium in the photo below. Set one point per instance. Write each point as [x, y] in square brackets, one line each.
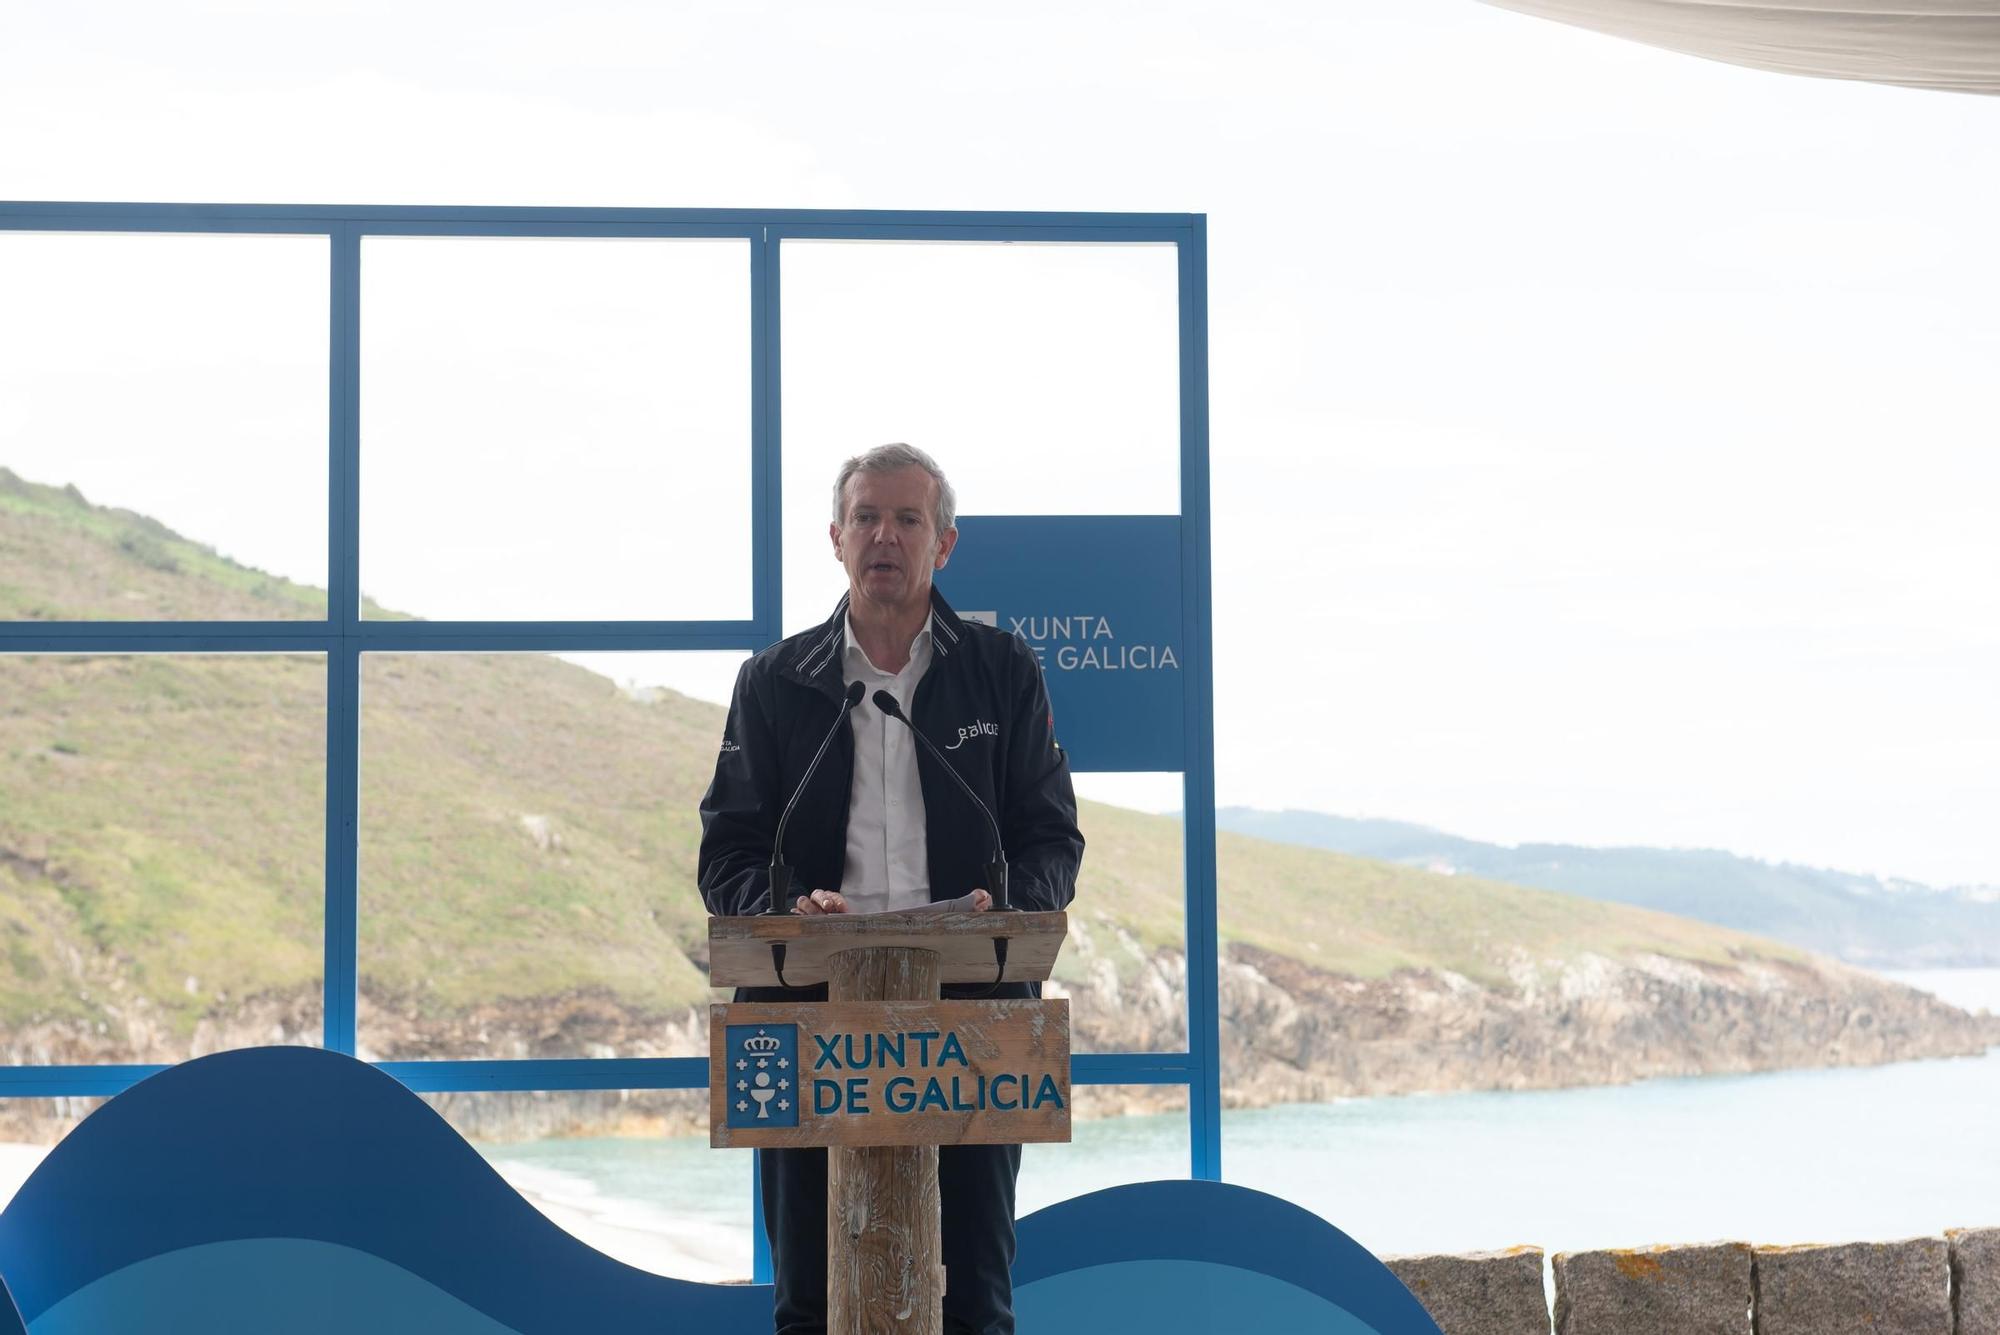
[880, 826]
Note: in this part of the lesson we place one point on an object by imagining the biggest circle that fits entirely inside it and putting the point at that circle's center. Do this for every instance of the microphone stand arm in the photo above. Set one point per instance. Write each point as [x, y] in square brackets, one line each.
[996, 868]
[781, 871]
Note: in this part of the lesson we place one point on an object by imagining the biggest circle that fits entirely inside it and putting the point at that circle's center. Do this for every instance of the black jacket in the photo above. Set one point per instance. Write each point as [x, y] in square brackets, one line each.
[982, 700]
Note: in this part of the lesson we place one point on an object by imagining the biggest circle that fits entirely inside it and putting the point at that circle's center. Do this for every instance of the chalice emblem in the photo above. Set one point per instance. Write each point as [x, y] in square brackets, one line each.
[762, 1047]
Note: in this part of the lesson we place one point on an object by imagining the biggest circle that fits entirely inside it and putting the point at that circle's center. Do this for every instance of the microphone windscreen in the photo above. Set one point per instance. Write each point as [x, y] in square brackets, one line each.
[855, 690]
[887, 704]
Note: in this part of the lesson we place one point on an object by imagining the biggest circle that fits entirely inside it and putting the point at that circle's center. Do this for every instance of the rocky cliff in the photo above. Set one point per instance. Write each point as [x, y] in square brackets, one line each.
[1290, 1033]
[1293, 1034]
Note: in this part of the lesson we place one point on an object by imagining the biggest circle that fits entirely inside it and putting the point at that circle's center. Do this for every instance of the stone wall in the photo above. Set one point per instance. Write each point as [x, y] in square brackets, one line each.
[1946, 1285]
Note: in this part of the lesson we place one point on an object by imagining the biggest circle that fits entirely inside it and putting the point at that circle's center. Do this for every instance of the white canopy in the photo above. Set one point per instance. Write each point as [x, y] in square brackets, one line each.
[1950, 45]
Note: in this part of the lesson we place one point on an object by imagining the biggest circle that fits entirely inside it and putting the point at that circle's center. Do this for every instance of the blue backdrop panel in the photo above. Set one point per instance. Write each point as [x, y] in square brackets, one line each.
[300, 1190]
[1098, 598]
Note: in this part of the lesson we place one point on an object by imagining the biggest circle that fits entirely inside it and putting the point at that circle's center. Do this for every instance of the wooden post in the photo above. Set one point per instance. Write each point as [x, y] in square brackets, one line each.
[884, 1271]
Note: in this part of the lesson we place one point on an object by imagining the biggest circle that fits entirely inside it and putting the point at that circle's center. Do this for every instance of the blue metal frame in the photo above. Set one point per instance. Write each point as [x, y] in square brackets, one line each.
[344, 636]
[339, 976]
[1198, 827]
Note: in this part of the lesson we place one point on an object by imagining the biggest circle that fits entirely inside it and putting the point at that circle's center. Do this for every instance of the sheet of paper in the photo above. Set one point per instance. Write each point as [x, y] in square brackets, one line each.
[963, 904]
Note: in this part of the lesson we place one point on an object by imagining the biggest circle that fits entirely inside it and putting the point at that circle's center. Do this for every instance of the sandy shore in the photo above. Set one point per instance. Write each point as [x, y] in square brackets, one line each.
[16, 1162]
[633, 1232]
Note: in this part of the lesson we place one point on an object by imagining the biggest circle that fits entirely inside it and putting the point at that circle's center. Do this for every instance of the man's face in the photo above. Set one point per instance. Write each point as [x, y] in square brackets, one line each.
[888, 537]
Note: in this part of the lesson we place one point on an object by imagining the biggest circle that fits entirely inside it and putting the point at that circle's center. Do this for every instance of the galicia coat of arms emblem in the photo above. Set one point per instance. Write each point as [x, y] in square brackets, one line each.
[763, 1071]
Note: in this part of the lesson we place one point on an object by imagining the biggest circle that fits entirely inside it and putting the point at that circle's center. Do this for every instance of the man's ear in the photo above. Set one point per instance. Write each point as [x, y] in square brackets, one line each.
[833, 535]
[945, 544]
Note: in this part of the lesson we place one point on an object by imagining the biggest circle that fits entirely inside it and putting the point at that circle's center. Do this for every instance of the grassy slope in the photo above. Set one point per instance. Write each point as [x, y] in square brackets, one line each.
[1367, 918]
[527, 829]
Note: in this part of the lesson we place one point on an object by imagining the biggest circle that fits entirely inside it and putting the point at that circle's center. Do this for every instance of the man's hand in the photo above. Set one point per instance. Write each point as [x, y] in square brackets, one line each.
[981, 901]
[820, 901]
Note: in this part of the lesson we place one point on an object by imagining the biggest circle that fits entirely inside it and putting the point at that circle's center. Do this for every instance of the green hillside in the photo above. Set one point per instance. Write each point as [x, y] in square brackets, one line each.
[527, 834]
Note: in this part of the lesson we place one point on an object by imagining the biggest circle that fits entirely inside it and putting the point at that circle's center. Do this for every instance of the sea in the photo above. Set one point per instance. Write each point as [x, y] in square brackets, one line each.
[1852, 1154]
[1843, 1155]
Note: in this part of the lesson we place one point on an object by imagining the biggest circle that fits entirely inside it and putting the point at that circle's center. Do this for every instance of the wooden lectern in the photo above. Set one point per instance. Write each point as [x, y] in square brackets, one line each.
[882, 1073]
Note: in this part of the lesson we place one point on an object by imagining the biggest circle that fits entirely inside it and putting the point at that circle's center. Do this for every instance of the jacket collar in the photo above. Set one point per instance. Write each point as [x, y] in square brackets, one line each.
[815, 660]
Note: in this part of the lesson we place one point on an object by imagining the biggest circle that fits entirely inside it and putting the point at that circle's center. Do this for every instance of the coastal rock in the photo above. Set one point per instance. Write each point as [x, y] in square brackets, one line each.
[1975, 1279]
[1699, 1290]
[1290, 1033]
[1857, 1288]
[1479, 1293]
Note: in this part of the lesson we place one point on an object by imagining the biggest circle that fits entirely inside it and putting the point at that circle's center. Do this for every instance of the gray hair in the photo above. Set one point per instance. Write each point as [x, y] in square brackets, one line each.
[891, 459]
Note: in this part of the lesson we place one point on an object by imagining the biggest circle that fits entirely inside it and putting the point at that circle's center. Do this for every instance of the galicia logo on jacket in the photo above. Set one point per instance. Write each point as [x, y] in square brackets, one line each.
[980, 728]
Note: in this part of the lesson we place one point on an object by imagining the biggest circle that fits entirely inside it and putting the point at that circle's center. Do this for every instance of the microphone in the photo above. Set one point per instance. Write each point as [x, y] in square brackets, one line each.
[996, 869]
[781, 872]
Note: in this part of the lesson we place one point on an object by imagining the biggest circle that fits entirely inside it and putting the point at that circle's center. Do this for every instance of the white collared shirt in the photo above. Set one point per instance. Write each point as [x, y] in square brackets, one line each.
[888, 864]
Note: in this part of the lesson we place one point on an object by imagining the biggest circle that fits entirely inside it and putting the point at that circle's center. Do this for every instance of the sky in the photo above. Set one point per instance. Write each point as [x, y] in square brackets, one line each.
[1602, 439]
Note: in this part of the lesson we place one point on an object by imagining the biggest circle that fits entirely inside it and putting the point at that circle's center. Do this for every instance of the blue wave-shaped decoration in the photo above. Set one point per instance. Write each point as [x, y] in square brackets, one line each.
[1201, 1256]
[300, 1190]
[10, 1315]
[267, 1285]
[304, 1144]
